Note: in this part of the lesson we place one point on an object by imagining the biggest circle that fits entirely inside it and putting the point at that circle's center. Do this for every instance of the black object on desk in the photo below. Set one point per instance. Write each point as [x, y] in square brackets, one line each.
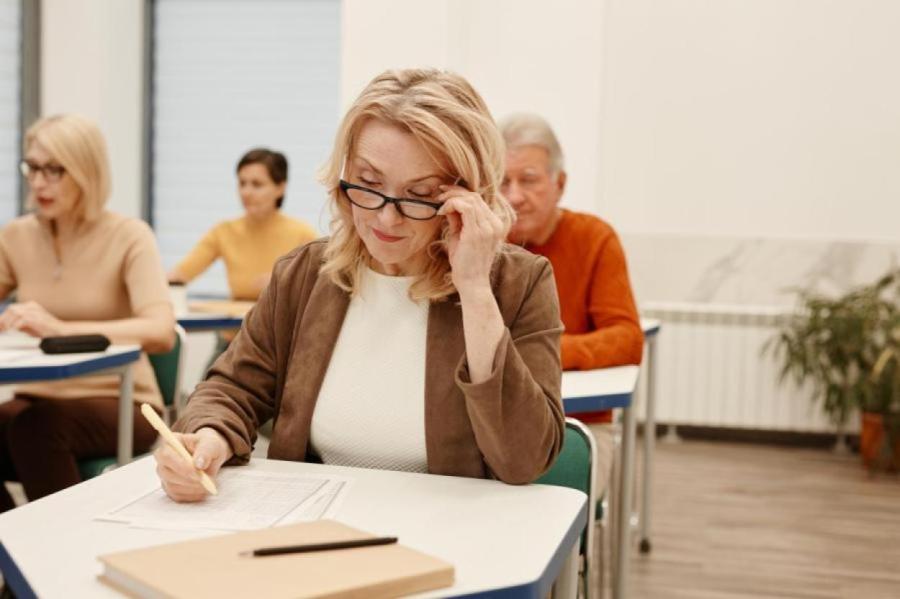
[74, 344]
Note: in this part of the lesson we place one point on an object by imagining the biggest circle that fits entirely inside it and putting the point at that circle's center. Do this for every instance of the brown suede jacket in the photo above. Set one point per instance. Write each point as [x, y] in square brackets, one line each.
[509, 427]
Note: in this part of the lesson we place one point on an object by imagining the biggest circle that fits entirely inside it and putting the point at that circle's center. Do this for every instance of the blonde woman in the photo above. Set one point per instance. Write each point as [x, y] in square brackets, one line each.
[76, 268]
[411, 339]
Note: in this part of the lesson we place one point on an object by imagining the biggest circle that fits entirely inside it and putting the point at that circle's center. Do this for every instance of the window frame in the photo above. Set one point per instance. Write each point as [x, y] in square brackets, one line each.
[29, 81]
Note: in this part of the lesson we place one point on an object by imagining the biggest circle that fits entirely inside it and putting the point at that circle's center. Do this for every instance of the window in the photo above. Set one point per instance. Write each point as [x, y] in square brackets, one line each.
[10, 94]
[229, 76]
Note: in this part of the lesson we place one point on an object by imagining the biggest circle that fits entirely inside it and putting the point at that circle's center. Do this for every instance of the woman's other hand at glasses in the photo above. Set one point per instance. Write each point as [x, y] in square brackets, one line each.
[474, 236]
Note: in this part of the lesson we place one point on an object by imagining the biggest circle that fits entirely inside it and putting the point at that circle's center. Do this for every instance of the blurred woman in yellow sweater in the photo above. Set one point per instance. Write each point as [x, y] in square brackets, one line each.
[250, 245]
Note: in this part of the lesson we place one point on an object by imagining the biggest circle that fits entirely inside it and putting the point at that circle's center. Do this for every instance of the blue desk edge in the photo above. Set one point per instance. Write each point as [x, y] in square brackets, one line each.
[210, 324]
[13, 577]
[596, 403]
[16, 374]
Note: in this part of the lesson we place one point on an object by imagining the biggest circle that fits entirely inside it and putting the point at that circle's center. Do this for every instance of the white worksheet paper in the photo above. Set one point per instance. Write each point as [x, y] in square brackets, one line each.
[247, 500]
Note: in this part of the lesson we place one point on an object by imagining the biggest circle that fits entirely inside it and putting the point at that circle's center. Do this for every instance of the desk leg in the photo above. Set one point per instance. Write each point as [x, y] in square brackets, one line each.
[649, 446]
[623, 512]
[126, 416]
[566, 584]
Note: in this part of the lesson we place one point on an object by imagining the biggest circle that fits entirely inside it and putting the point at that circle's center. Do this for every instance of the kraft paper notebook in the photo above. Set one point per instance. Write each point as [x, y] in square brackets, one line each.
[220, 567]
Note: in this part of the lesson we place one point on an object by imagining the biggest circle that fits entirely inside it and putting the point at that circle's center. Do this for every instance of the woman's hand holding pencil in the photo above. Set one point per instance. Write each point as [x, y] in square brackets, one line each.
[188, 463]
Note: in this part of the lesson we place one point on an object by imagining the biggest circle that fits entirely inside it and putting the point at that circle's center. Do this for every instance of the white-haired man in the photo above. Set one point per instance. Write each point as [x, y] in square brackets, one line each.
[601, 322]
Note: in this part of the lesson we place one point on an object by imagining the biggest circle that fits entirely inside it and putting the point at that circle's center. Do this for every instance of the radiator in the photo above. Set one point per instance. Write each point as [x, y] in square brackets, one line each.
[711, 370]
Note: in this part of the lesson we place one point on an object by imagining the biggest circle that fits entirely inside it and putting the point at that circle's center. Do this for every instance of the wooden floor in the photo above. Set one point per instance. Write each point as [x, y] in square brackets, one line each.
[744, 521]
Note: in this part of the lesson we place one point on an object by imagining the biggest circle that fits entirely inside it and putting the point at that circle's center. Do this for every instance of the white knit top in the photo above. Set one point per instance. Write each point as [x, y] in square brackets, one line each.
[371, 408]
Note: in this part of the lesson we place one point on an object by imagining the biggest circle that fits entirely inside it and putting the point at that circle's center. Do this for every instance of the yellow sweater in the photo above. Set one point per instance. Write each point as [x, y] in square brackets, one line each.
[249, 249]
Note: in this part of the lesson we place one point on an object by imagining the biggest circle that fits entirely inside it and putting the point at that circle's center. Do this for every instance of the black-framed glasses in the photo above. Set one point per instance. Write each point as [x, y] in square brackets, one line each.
[369, 199]
[52, 172]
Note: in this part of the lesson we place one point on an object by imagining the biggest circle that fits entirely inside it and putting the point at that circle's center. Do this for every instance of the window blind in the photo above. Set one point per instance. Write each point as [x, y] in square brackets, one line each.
[229, 76]
[10, 86]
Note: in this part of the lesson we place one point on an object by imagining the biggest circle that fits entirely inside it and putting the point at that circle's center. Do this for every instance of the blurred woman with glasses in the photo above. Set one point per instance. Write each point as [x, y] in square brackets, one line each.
[75, 268]
[412, 338]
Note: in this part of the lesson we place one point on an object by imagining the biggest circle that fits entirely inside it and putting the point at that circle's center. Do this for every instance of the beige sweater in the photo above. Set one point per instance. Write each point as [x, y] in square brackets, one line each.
[108, 269]
[509, 427]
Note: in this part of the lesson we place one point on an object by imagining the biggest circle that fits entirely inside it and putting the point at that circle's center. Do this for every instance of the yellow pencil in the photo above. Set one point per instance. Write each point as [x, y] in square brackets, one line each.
[157, 423]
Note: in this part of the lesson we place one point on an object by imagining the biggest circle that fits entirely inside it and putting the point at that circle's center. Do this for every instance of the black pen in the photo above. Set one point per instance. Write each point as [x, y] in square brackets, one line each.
[323, 546]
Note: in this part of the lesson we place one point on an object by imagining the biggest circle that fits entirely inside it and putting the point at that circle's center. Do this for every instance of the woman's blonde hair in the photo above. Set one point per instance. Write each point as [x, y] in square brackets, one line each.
[78, 146]
[448, 117]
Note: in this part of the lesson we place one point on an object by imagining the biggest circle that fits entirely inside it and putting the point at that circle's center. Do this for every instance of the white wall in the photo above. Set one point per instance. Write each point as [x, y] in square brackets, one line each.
[753, 118]
[91, 63]
[521, 55]
[750, 147]
[773, 118]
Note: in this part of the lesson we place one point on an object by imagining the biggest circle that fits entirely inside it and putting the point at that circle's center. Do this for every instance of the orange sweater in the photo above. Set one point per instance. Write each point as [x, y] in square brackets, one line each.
[598, 309]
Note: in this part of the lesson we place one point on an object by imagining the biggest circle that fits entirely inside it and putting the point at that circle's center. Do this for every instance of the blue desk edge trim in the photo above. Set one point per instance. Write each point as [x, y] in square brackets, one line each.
[64, 371]
[540, 588]
[13, 577]
[588, 403]
[210, 324]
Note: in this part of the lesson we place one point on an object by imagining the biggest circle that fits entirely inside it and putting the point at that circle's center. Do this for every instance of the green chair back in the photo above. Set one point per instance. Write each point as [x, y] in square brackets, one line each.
[167, 368]
[574, 468]
[573, 465]
[91, 467]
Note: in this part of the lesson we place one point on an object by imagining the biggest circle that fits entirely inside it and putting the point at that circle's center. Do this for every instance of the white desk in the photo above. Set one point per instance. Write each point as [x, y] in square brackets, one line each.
[500, 538]
[22, 362]
[606, 389]
[600, 389]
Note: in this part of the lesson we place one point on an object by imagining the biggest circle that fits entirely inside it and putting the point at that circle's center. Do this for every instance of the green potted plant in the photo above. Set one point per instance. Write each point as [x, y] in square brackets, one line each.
[848, 348]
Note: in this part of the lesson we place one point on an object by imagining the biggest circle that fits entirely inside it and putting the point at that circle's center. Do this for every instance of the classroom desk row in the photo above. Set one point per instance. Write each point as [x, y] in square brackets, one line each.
[24, 564]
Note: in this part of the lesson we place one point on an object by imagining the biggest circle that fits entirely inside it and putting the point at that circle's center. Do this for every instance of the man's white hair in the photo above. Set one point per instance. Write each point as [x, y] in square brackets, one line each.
[527, 129]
